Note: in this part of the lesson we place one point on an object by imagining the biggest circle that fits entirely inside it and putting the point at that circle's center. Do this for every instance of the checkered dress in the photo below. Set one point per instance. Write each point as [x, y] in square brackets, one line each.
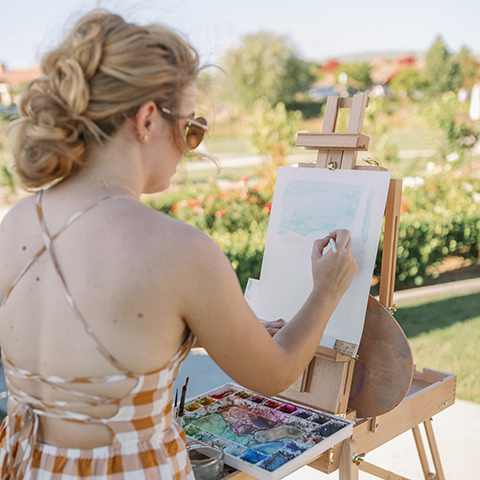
[146, 443]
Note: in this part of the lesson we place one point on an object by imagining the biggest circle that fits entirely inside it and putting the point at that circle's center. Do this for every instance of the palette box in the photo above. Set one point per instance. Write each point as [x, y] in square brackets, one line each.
[265, 437]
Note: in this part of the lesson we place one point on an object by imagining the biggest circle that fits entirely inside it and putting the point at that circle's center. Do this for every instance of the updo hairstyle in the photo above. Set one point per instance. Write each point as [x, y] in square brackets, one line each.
[99, 76]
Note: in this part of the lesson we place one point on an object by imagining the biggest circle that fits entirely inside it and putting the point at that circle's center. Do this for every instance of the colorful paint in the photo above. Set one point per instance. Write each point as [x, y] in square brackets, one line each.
[302, 414]
[192, 407]
[262, 436]
[244, 394]
[206, 401]
[287, 408]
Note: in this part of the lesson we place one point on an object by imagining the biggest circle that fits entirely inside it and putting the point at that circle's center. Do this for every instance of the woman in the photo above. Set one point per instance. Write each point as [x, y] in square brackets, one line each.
[102, 296]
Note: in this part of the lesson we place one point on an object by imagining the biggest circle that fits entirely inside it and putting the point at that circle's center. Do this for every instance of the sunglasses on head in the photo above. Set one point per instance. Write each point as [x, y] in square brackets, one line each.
[195, 129]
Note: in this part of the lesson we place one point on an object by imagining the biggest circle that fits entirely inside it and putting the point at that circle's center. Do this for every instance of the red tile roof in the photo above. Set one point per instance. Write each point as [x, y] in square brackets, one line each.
[14, 77]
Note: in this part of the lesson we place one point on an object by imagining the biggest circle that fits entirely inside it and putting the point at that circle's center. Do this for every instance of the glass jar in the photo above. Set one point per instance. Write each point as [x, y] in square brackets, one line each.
[206, 460]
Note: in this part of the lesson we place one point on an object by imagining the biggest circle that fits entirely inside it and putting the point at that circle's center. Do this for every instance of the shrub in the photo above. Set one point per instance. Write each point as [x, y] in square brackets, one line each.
[440, 218]
[236, 219]
[244, 249]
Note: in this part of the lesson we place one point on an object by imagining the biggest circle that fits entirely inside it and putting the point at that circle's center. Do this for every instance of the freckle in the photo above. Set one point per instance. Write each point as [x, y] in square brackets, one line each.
[37, 279]
[24, 247]
[140, 315]
[115, 320]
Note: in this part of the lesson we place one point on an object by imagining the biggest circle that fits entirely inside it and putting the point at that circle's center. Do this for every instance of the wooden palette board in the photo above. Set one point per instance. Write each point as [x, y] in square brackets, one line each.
[384, 370]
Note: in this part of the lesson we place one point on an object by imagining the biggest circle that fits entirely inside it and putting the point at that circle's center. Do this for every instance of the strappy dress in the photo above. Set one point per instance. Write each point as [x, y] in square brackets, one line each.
[146, 442]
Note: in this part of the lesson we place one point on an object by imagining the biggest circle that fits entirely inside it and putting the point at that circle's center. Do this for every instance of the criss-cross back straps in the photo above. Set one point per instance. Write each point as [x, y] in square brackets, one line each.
[48, 242]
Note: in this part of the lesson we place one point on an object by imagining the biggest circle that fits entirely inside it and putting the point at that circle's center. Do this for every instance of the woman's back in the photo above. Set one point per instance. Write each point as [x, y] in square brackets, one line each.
[119, 281]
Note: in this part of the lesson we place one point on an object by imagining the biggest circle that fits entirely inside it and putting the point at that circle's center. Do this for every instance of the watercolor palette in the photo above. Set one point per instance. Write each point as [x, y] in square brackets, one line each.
[267, 438]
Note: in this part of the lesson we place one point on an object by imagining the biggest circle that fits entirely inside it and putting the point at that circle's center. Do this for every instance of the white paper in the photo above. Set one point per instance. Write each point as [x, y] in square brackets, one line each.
[308, 204]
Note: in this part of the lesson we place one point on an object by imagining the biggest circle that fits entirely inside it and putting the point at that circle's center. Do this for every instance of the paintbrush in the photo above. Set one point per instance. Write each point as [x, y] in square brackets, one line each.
[175, 409]
[182, 402]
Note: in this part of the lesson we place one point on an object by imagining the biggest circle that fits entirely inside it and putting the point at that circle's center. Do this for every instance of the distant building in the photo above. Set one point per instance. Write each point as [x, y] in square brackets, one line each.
[14, 78]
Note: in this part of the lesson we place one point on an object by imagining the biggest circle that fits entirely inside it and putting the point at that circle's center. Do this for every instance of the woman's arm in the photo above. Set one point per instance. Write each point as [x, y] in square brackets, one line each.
[272, 327]
[214, 309]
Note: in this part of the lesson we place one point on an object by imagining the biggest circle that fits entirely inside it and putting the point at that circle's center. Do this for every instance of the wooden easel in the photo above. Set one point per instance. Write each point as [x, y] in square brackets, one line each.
[429, 391]
[327, 382]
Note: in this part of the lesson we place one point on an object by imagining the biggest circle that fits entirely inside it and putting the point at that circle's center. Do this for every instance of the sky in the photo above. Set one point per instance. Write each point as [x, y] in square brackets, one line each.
[319, 29]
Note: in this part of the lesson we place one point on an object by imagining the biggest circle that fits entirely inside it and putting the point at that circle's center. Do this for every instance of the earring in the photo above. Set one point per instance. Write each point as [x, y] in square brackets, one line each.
[141, 138]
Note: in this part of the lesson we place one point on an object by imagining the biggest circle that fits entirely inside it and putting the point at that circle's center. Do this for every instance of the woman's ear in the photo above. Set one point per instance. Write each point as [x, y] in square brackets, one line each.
[144, 119]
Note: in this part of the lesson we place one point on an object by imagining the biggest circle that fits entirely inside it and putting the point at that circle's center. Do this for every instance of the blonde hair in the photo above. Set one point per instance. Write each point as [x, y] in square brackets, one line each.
[99, 76]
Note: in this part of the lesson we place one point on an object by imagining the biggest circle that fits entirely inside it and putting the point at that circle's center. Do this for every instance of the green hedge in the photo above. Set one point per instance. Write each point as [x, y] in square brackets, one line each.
[309, 109]
[237, 219]
[438, 220]
[426, 239]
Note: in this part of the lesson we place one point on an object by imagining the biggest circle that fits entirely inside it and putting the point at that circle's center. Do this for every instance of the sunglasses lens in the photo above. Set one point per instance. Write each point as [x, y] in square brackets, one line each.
[195, 133]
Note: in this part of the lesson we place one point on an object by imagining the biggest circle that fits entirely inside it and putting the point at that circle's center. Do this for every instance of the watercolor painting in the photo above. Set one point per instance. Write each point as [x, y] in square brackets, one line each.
[304, 221]
[309, 203]
[265, 437]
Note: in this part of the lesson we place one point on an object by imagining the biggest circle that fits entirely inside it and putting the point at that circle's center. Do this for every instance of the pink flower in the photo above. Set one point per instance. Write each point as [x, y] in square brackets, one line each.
[244, 194]
[267, 208]
[220, 213]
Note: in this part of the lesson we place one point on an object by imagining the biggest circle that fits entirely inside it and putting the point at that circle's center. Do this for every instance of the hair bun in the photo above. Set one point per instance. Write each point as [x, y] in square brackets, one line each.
[87, 46]
[95, 80]
[72, 87]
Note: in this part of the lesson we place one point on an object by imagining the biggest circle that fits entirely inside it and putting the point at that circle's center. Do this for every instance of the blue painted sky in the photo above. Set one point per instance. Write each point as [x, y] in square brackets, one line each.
[320, 29]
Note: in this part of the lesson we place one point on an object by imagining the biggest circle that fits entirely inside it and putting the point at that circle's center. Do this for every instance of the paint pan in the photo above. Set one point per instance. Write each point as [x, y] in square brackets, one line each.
[261, 436]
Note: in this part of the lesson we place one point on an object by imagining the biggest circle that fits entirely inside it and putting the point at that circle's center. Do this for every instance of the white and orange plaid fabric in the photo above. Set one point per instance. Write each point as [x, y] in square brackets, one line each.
[146, 443]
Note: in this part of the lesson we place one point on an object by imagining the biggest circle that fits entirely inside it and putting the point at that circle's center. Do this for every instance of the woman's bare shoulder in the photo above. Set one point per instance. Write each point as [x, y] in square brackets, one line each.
[23, 206]
[13, 224]
[154, 233]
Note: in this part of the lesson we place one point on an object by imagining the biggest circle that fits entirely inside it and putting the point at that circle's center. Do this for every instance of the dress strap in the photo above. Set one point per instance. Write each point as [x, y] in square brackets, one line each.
[48, 242]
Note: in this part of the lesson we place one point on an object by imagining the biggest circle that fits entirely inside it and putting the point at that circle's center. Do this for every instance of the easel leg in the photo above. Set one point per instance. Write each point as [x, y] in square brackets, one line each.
[434, 449]
[439, 475]
[348, 470]
[421, 451]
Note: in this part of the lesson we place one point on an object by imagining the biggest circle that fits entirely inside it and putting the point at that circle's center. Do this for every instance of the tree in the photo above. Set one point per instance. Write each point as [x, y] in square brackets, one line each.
[358, 75]
[266, 65]
[441, 68]
[455, 134]
[410, 80]
[468, 67]
[272, 133]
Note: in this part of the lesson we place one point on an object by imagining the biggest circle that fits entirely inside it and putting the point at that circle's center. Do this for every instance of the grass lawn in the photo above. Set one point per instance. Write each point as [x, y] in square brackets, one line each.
[417, 139]
[444, 334]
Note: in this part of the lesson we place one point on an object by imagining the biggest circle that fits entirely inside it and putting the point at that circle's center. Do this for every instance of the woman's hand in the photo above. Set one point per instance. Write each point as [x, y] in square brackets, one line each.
[273, 326]
[332, 271]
